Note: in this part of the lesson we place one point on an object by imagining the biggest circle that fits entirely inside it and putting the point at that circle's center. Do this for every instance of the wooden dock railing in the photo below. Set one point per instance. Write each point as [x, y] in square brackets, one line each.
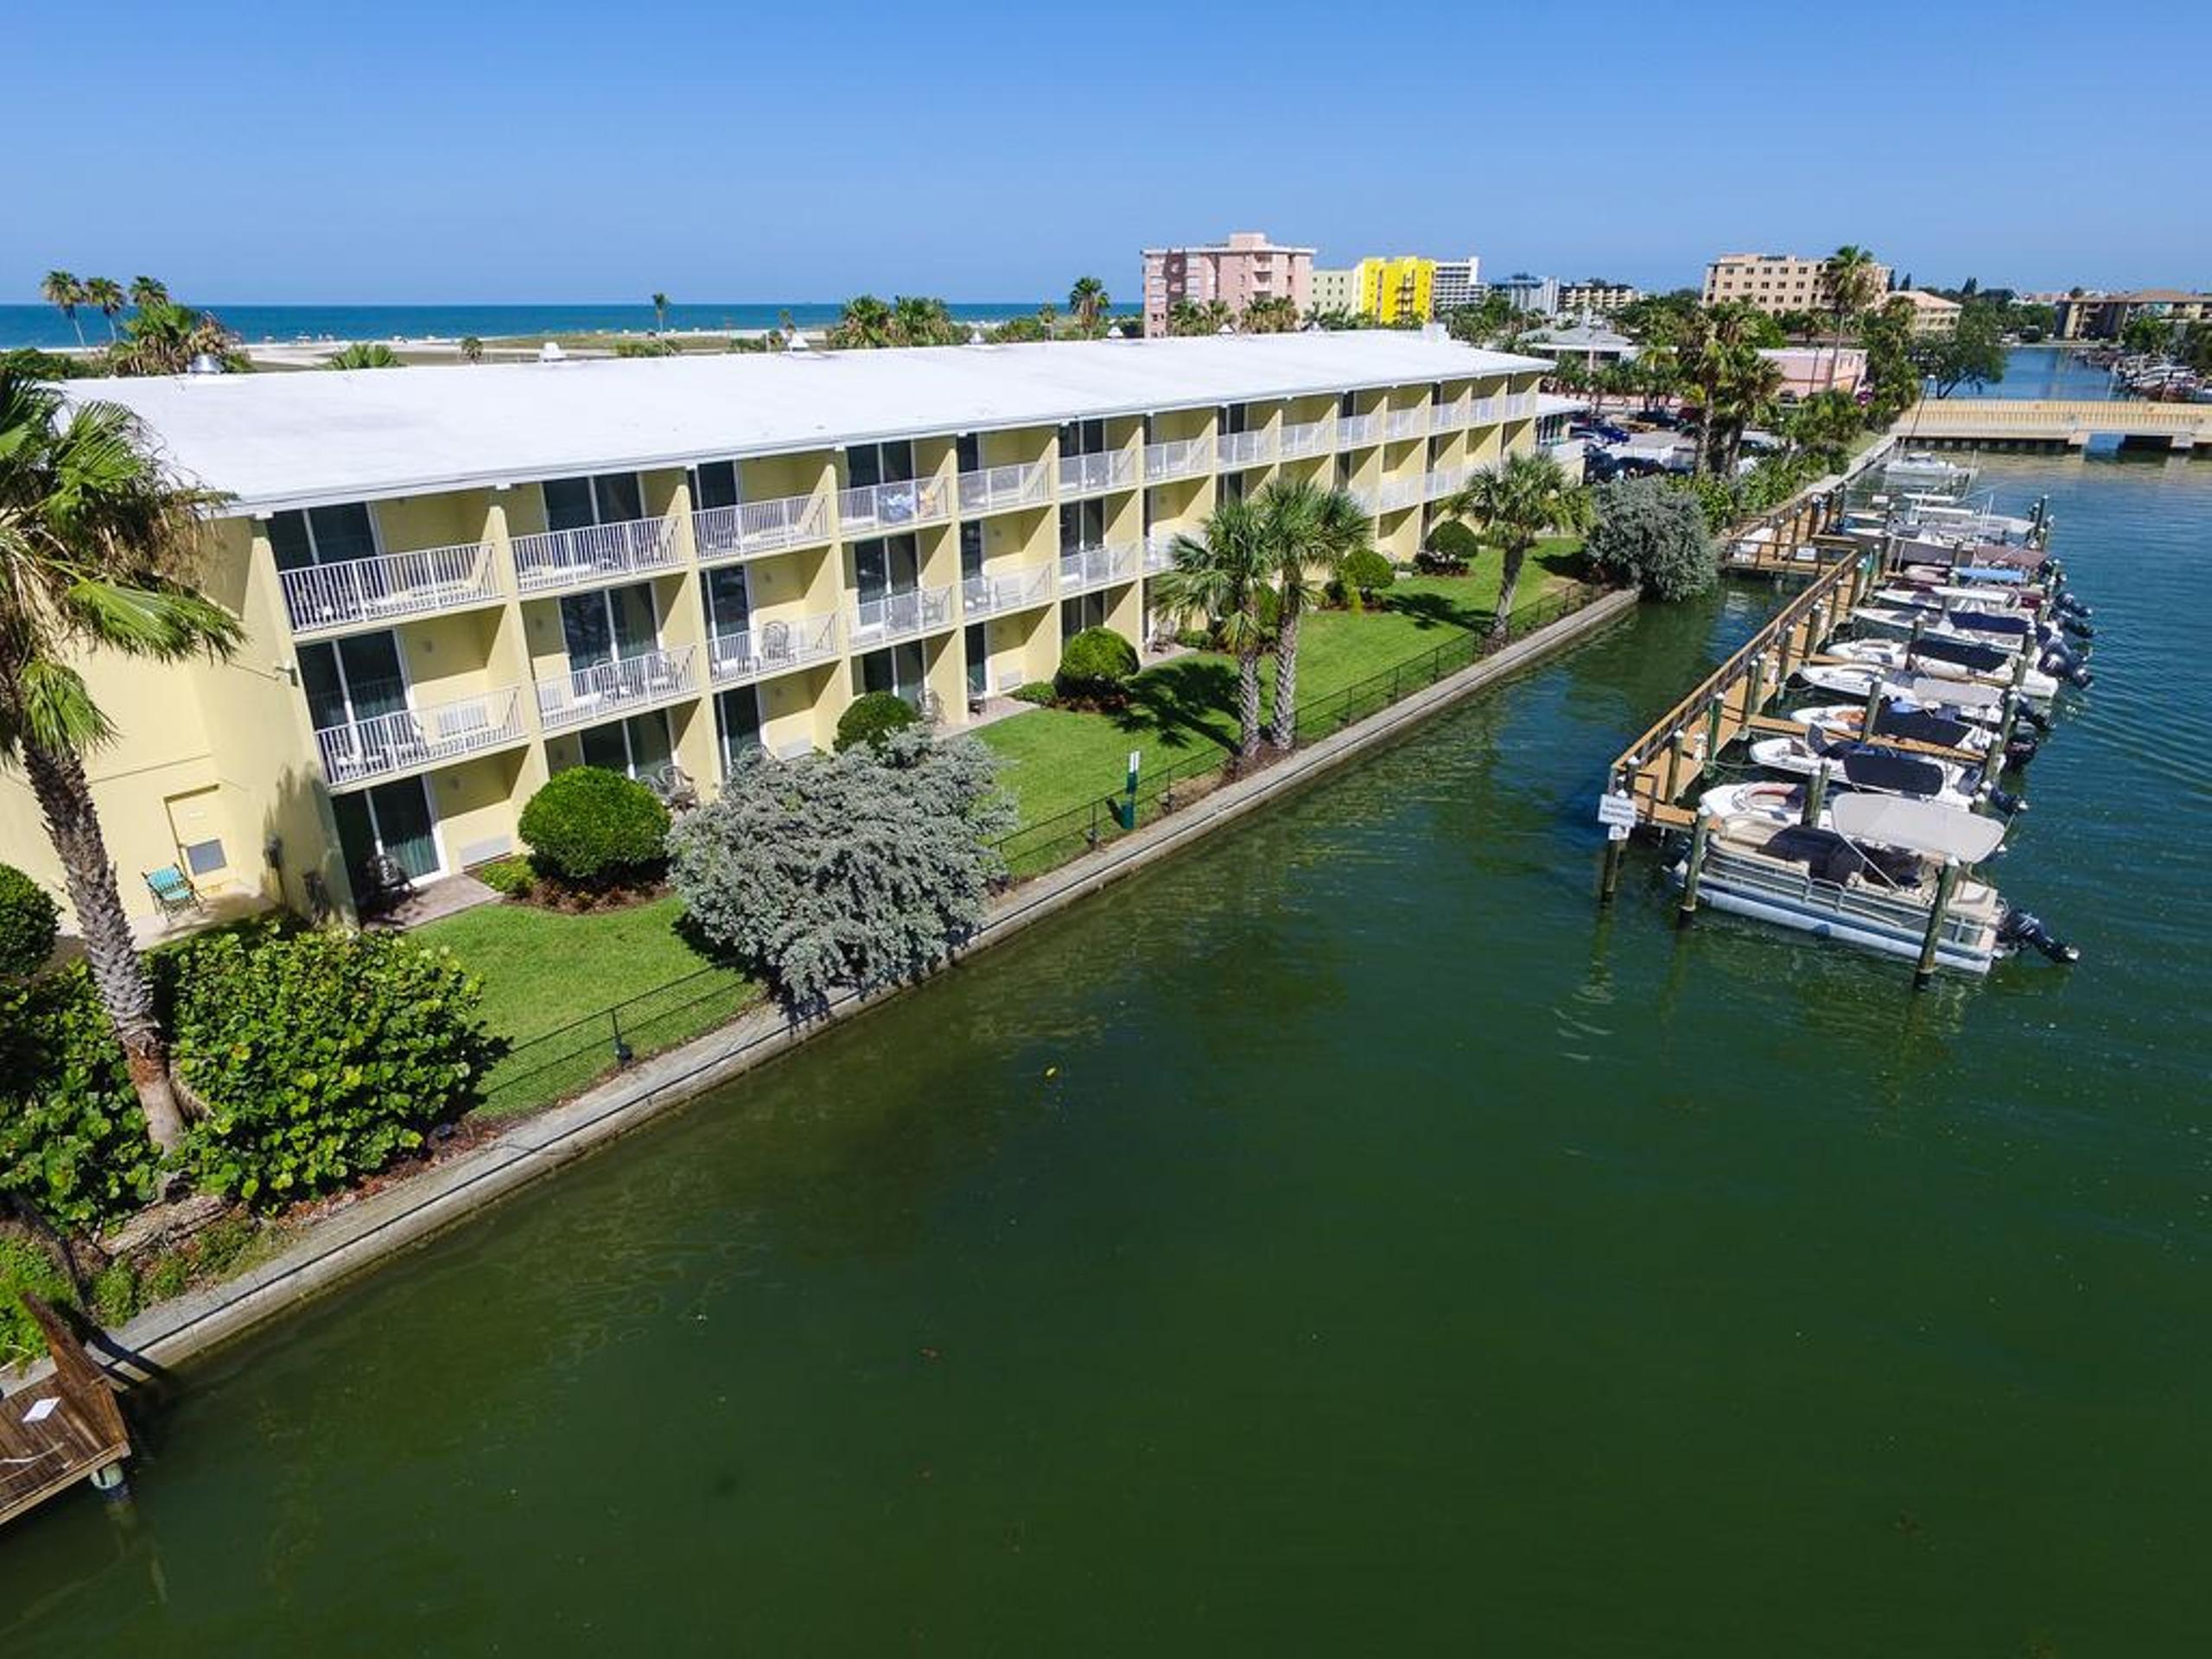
[63, 1428]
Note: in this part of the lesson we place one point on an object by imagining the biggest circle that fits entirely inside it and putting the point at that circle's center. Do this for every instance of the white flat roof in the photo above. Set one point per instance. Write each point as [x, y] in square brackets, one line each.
[287, 440]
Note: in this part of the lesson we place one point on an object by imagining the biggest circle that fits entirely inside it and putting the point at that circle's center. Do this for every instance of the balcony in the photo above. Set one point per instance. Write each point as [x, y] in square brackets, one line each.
[1449, 480]
[1178, 458]
[1239, 449]
[1407, 422]
[1449, 418]
[385, 746]
[1109, 469]
[1487, 411]
[1159, 552]
[1311, 438]
[1357, 428]
[771, 648]
[1085, 568]
[605, 689]
[724, 533]
[901, 616]
[554, 559]
[1520, 406]
[1400, 492]
[1016, 591]
[994, 489]
[390, 586]
[875, 508]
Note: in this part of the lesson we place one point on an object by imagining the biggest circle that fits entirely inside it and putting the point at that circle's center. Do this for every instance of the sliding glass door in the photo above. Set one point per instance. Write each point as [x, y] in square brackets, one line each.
[609, 625]
[353, 680]
[392, 821]
[580, 503]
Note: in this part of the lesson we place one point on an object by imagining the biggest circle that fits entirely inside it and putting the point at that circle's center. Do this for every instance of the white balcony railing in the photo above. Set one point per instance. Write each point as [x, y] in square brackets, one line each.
[1245, 449]
[408, 738]
[897, 616]
[1398, 493]
[1448, 481]
[1448, 417]
[996, 488]
[594, 553]
[1159, 552]
[771, 648]
[390, 585]
[1178, 458]
[605, 689]
[1407, 423]
[1313, 438]
[1357, 428]
[1084, 567]
[1109, 469]
[1521, 405]
[988, 596]
[1487, 412]
[893, 506]
[759, 527]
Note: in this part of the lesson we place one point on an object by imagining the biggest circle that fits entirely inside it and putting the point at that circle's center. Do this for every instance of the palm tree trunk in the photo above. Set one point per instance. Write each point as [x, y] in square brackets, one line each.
[126, 990]
[80, 328]
[1248, 703]
[1282, 732]
[1516, 553]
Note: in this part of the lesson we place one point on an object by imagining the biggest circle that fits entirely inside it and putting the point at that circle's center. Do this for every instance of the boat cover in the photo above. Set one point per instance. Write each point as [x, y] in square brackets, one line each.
[1831, 857]
[1920, 726]
[1988, 573]
[1953, 694]
[1916, 826]
[1990, 622]
[1865, 768]
[1982, 660]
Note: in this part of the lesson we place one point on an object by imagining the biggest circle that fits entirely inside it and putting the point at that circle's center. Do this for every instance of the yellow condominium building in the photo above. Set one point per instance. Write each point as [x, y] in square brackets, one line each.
[1391, 291]
[1776, 281]
[456, 581]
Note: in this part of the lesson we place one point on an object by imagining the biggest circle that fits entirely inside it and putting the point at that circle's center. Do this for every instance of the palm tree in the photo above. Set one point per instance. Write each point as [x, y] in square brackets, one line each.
[148, 290]
[472, 349]
[105, 295]
[65, 293]
[917, 320]
[1852, 285]
[1720, 358]
[1217, 577]
[1216, 315]
[1514, 506]
[865, 322]
[660, 312]
[97, 550]
[1088, 300]
[164, 337]
[1306, 534]
[369, 354]
[1276, 313]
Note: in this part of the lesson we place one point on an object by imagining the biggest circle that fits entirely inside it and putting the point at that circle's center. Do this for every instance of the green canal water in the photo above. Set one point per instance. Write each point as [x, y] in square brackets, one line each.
[1342, 1238]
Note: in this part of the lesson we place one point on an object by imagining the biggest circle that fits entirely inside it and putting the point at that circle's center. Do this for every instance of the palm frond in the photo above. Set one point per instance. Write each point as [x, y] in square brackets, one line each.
[52, 707]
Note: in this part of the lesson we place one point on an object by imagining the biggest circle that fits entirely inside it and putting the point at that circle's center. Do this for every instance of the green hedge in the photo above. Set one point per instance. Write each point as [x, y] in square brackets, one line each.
[590, 826]
[72, 1140]
[872, 717]
[29, 924]
[1096, 666]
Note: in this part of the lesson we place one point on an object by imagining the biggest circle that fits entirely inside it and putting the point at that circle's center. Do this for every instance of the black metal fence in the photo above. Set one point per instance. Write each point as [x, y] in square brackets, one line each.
[573, 1057]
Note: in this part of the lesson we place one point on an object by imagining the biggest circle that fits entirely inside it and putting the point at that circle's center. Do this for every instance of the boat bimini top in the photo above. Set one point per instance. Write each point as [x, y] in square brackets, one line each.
[1920, 827]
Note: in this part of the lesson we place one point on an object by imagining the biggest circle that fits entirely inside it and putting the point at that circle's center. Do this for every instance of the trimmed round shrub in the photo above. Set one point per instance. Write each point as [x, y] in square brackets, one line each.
[1364, 574]
[590, 826]
[1096, 666]
[72, 1140]
[320, 1057]
[1451, 543]
[873, 717]
[29, 922]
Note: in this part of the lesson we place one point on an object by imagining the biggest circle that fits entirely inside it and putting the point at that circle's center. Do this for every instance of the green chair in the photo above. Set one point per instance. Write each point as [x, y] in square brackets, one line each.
[173, 890]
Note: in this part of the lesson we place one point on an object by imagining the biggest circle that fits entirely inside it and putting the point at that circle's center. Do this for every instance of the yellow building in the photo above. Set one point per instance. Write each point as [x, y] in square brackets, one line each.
[456, 581]
[1391, 291]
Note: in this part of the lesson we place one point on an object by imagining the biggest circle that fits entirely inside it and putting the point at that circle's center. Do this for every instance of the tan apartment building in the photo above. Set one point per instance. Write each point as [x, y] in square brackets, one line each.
[1775, 281]
[2104, 317]
[1595, 297]
[456, 581]
[1931, 312]
[1245, 268]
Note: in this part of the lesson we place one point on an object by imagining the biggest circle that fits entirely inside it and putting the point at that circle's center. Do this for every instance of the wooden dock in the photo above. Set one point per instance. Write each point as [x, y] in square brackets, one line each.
[61, 1429]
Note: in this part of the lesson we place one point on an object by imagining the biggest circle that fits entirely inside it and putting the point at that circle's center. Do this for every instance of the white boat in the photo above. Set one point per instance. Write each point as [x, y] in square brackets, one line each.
[1843, 723]
[1870, 768]
[1870, 879]
[1920, 468]
[1762, 797]
[1934, 661]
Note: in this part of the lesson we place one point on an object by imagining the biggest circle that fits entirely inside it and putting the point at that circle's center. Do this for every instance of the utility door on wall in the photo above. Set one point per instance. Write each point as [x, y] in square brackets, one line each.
[196, 826]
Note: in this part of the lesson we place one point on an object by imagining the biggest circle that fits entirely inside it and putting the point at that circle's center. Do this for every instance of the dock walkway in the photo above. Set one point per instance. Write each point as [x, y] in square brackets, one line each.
[61, 1429]
[2068, 423]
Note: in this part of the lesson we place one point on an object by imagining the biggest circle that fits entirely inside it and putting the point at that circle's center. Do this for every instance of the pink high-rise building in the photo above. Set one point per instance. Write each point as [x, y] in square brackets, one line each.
[1247, 267]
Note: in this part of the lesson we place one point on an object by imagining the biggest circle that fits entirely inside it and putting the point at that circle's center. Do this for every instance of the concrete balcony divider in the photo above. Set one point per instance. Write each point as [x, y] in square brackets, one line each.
[893, 506]
[750, 527]
[591, 554]
[988, 595]
[1085, 568]
[1178, 458]
[390, 586]
[995, 488]
[586, 696]
[386, 745]
[1109, 469]
[768, 648]
[902, 616]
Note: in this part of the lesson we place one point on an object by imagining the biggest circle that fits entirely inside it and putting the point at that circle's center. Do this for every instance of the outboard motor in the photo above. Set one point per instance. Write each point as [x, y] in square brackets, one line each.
[2077, 628]
[2035, 719]
[2064, 665]
[2010, 805]
[2022, 927]
[2022, 749]
[2073, 607]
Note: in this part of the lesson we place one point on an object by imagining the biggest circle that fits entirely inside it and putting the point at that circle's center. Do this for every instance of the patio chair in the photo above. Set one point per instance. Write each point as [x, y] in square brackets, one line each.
[173, 890]
[775, 642]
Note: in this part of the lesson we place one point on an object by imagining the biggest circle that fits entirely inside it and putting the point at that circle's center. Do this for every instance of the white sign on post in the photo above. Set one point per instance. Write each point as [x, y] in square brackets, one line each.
[1616, 813]
[1617, 832]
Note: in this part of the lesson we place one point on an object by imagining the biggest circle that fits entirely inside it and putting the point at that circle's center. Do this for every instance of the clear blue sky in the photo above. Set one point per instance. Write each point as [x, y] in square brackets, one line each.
[483, 150]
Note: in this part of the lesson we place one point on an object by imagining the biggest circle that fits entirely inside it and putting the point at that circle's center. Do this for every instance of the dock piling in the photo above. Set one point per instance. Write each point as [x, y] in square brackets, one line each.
[1947, 884]
[1695, 872]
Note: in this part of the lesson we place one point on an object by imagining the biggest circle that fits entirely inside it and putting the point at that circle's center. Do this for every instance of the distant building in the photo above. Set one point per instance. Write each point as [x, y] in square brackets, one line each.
[1807, 369]
[1596, 298]
[1538, 295]
[2103, 317]
[1931, 312]
[1456, 284]
[1336, 288]
[1774, 282]
[1595, 346]
[1247, 267]
[1391, 291]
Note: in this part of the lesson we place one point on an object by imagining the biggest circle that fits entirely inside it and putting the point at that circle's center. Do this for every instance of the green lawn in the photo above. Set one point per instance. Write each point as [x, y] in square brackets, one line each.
[1056, 760]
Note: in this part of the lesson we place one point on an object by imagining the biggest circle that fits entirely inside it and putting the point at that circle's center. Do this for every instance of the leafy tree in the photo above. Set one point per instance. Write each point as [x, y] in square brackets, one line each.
[366, 354]
[1218, 578]
[1824, 427]
[860, 869]
[472, 349]
[148, 290]
[1515, 506]
[1483, 321]
[1089, 302]
[1658, 320]
[872, 717]
[1016, 331]
[65, 293]
[1798, 325]
[590, 826]
[105, 295]
[2146, 335]
[1649, 532]
[1277, 313]
[99, 546]
[164, 337]
[660, 312]
[2196, 348]
[1972, 354]
[1306, 533]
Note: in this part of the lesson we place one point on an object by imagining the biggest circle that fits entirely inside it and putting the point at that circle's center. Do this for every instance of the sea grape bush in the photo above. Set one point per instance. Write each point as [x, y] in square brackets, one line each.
[72, 1140]
[29, 922]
